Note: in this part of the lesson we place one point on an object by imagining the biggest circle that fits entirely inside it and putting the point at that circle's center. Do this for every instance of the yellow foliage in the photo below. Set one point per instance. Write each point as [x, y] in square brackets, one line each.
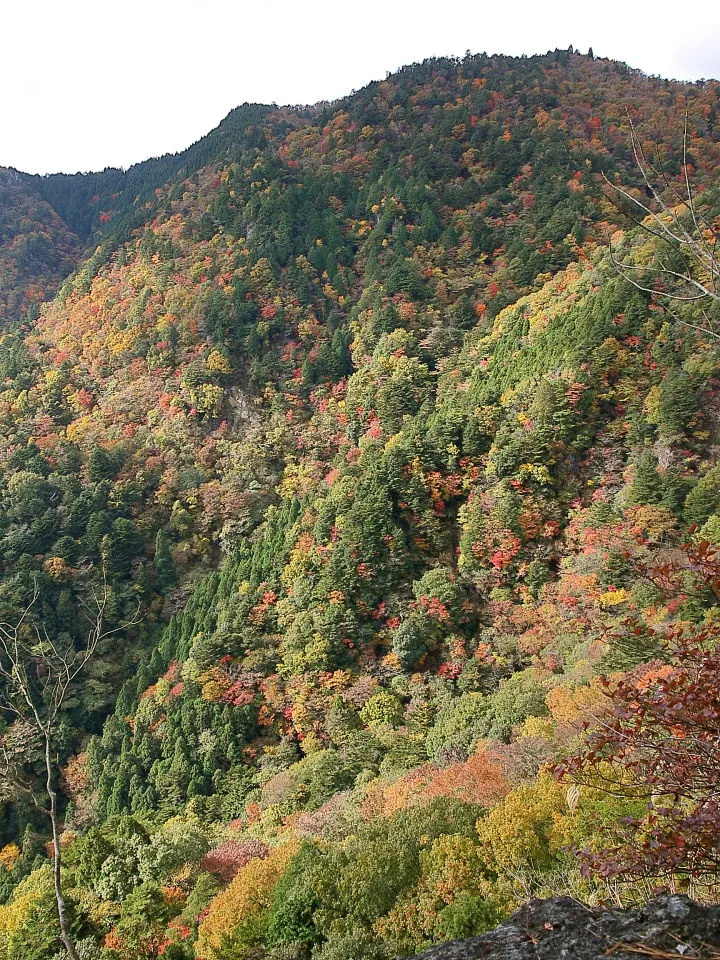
[208, 398]
[311, 743]
[57, 568]
[296, 482]
[539, 473]
[339, 680]
[542, 727]
[391, 661]
[248, 894]
[651, 522]
[122, 341]
[16, 916]
[53, 380]
[612, 598]
[302, 559]
[214, 684]
[9, 856]
[297, 658]
[309, 328]
[523, 829]
[451, 866]
[571, 705]
[78, 429]
[218, 363]
[652, 404]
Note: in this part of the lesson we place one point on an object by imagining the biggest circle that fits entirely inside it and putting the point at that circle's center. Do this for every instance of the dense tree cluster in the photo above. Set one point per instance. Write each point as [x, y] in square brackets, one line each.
[37, 248]
[352, 401]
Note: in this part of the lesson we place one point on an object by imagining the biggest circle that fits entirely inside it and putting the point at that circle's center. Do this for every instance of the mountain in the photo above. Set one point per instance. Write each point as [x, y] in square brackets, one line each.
[379, 463]
[37, 248]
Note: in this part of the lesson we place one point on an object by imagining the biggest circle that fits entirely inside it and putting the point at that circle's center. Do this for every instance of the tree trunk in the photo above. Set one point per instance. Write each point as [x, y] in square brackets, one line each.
[65, 934]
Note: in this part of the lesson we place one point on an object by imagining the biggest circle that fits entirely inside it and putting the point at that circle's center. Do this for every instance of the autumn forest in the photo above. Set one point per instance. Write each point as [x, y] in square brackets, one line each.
[360, 520]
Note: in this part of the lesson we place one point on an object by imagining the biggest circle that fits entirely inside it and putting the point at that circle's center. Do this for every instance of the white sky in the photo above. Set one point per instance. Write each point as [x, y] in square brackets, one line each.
[94, 83]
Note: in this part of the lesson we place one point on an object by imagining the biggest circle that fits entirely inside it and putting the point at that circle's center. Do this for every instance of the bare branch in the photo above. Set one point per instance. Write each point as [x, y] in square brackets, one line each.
[698, 279]
[38, 677]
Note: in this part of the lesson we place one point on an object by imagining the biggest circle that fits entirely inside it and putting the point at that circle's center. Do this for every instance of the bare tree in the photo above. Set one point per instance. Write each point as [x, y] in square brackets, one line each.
[687, 267]
[39, 673]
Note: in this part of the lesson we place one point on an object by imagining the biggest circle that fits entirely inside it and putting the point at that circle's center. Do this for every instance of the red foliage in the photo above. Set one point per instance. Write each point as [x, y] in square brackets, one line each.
[225, 860]
[435, 608]
[660, 743]
[450, 670]
[507, 551]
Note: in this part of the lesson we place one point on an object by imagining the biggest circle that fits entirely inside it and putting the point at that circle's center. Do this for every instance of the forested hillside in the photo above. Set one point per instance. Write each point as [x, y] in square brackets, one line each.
[37, 249]
[400, 500]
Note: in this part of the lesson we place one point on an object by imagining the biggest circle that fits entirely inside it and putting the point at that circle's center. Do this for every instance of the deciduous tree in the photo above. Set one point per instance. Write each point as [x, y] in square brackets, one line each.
[38, 674]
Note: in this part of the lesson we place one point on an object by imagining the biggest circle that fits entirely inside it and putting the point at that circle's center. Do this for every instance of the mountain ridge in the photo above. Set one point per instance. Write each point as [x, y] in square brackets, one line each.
[364, 419]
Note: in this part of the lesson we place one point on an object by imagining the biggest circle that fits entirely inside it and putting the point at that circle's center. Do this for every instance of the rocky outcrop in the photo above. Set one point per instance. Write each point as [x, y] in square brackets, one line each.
[564, 929]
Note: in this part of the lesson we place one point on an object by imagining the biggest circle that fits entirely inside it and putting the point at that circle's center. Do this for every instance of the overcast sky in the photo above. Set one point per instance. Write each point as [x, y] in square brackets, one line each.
[94, 83]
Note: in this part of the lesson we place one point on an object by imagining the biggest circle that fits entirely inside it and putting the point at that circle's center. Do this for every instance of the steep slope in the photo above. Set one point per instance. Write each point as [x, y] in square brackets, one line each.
[89, 201]
[461, 531]
[49, 221]
[37, 250]
[267, 258]
[372, 362]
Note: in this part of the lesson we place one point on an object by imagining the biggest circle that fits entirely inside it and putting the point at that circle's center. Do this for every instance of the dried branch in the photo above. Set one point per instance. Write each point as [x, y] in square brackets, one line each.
[700, 279]
[38, 677]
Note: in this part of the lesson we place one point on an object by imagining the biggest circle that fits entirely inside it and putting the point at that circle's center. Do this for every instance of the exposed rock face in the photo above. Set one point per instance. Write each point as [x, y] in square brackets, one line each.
[559, 928]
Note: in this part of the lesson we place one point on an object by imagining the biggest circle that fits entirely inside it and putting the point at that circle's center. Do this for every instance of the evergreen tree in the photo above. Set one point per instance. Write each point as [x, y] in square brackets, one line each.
[164, 563]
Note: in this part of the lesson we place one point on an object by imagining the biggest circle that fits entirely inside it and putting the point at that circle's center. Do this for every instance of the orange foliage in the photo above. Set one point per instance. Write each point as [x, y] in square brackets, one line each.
[248, 894]
[9, 856]
[572, 706]
[479, 779]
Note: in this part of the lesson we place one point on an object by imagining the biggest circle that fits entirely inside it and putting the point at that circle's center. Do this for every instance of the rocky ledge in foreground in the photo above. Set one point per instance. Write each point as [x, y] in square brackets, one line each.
[559, 928]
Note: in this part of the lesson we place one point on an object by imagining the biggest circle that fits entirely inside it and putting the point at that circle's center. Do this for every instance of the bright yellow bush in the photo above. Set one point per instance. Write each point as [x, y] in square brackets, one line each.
[218, 363]
[524, 830]
[16, 916]
[572, 705]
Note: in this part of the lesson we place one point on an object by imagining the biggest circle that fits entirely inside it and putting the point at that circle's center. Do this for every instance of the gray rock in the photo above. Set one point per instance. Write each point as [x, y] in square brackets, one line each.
[561, 928]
